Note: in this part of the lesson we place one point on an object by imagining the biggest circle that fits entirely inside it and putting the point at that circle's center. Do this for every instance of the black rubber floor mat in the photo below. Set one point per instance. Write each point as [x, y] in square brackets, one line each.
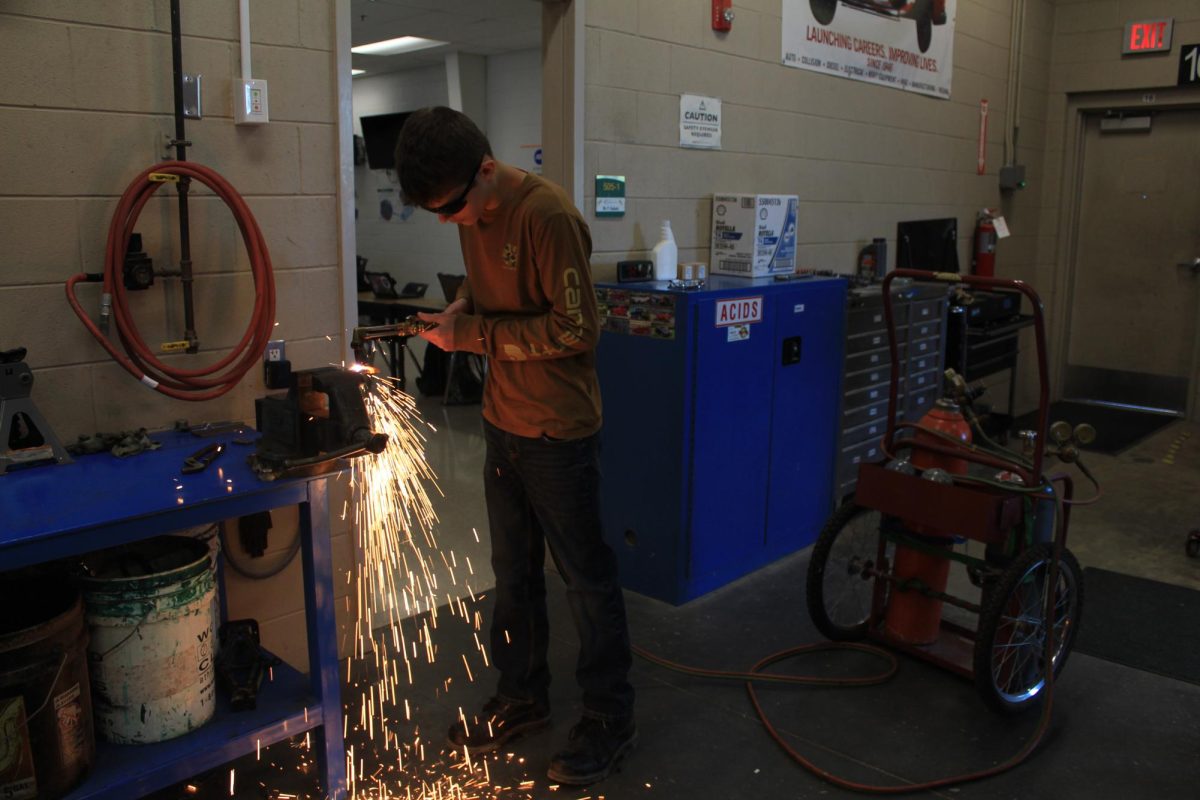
[1116, 428]
[1144, 624]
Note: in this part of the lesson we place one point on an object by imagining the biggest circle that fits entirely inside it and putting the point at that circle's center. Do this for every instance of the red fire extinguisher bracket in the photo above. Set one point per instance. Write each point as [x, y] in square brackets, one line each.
[722, 15]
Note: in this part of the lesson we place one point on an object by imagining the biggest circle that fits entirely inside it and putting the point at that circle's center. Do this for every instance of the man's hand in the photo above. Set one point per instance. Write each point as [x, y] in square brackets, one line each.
[442, 334]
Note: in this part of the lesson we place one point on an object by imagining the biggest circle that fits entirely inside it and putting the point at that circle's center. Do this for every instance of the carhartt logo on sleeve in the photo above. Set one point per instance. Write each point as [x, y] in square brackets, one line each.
[573, 297]
[509, 256]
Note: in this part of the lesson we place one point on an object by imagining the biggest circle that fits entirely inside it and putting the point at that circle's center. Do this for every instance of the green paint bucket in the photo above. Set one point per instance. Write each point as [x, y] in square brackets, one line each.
[151, 610]
[46, 739]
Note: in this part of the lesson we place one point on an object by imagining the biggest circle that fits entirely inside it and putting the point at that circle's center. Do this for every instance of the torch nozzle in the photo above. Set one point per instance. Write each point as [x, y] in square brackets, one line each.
[409, 326]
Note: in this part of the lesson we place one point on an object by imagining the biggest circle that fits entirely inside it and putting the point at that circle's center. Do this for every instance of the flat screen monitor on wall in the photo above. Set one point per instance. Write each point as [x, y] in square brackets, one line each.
[380, 133]
[929, 244]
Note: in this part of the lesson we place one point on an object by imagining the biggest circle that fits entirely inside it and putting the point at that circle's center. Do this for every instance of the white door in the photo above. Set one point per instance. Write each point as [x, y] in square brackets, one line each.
[1136, 279]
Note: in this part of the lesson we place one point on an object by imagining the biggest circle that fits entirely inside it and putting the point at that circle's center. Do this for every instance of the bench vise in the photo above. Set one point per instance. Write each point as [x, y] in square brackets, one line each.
[309, 430]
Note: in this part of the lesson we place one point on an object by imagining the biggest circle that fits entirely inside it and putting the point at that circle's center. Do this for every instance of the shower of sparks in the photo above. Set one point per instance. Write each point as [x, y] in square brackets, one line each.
[405, 586]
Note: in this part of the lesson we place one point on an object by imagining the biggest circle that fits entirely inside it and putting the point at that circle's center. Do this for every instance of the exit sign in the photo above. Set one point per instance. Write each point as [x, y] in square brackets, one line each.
[1148, 36]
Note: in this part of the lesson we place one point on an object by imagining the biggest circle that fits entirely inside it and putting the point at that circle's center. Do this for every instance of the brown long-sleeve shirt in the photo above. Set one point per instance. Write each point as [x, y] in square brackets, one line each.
[533, 313]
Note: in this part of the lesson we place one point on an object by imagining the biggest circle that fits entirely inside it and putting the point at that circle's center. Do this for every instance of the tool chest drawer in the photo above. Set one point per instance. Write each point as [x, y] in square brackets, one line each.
[870, 431]
[860, 343]
[923, 363]
[876, 376]
[874, 358]
[867, 320]
[853, 417]
[924, 330]
[924, 310]
[919, 317]
[866, 452]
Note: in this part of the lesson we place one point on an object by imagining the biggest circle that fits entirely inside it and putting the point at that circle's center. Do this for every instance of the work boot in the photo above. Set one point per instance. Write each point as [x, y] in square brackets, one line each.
[499, 721]
[594, 748]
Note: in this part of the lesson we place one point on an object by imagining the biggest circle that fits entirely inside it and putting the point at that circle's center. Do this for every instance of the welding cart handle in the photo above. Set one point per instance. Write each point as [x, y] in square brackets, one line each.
[974, 282]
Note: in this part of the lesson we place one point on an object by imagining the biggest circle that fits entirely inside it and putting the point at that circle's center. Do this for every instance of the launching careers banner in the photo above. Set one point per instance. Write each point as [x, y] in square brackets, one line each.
[904, 44]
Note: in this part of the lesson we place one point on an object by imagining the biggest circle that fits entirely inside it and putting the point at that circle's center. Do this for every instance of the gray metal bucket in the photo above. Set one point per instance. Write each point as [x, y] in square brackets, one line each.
[46, 739]
[151, 609]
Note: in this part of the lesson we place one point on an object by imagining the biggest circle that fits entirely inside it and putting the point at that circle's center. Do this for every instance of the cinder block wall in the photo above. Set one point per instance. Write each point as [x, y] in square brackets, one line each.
[85, 105]
[860, 157]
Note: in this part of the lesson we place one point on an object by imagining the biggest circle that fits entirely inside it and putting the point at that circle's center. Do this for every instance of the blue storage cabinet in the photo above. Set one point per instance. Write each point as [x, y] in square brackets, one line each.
[719, 439]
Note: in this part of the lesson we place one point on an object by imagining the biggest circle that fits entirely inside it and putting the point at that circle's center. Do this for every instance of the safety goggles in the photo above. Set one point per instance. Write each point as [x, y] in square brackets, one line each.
[456, 205]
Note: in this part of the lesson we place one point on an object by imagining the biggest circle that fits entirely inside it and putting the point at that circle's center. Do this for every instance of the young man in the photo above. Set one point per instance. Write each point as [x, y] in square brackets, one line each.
[528, 305]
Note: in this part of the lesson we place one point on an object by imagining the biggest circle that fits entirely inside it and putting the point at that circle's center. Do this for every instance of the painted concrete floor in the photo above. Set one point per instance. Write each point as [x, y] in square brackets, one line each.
[1114, 732]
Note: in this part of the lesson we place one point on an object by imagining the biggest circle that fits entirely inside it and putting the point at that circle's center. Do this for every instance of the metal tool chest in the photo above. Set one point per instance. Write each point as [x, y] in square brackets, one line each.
[920, 319]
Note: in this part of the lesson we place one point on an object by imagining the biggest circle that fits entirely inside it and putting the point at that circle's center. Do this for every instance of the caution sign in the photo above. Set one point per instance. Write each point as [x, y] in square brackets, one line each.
[699, 122]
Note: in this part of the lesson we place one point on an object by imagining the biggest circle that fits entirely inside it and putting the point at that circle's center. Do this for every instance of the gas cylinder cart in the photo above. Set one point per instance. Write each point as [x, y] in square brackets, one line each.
[881, 565]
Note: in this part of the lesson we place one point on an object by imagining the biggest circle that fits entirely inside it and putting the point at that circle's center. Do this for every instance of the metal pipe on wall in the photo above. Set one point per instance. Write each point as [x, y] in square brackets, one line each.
[180, 143]
[1016, 41]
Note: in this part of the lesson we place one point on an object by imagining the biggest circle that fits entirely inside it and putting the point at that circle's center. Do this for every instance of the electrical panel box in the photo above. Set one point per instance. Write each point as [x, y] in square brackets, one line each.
[720, 419]
[250, 102]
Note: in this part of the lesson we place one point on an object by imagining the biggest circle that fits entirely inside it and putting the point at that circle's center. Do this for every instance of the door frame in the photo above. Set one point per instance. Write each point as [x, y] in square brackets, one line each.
[1079, 107]
[563, 49]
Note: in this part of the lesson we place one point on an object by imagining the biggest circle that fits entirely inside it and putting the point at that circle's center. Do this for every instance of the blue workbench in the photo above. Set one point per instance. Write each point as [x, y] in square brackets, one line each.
[53, 511]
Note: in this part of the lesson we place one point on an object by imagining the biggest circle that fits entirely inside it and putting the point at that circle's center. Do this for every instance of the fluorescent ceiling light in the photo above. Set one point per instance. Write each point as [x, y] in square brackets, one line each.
[354, 72]
[391, 47]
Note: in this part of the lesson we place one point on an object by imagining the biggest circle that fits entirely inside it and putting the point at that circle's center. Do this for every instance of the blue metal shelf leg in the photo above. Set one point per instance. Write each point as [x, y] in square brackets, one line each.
[322, 634]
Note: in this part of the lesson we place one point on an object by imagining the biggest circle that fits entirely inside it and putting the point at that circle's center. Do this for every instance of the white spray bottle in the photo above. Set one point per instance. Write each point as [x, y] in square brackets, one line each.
[666, 255]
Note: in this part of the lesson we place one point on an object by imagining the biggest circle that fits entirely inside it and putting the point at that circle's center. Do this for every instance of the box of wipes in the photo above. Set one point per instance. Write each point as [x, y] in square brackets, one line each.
[753, 234]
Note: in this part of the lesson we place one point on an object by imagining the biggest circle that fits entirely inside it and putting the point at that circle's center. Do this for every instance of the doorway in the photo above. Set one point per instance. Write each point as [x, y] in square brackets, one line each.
[1135, 295]
[515, 67]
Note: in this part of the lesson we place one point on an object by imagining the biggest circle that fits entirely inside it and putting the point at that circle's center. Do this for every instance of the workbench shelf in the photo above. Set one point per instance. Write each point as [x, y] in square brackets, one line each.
[139, 769]
[52, 512]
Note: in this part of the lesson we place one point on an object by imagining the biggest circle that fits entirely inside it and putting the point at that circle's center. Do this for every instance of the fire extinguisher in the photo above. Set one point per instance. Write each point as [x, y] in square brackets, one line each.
[984, 261]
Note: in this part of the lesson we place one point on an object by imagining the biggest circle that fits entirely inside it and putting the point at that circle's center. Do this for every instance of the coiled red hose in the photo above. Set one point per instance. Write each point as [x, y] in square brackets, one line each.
[203, 383]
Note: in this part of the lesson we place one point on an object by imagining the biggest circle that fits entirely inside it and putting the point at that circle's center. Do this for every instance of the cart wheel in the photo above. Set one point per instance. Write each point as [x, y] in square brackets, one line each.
[1193, 543]
[1010, 645]
[923, 13]
[823, 10]
[839, 587]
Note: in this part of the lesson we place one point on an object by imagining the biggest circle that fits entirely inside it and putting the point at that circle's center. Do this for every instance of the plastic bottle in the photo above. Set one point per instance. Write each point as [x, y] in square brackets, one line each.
[872, 261]
[666, 255]
[881, 261]
[866, 264]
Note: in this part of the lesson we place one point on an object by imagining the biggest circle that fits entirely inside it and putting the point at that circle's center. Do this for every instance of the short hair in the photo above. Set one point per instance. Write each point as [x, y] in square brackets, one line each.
[438, 149]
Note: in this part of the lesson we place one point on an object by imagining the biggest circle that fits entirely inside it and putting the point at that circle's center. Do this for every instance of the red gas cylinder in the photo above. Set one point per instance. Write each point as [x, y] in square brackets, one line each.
[913, 617]
[944, 418]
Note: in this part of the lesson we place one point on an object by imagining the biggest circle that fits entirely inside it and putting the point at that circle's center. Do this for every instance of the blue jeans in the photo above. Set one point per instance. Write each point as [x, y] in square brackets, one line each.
[547, 492]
